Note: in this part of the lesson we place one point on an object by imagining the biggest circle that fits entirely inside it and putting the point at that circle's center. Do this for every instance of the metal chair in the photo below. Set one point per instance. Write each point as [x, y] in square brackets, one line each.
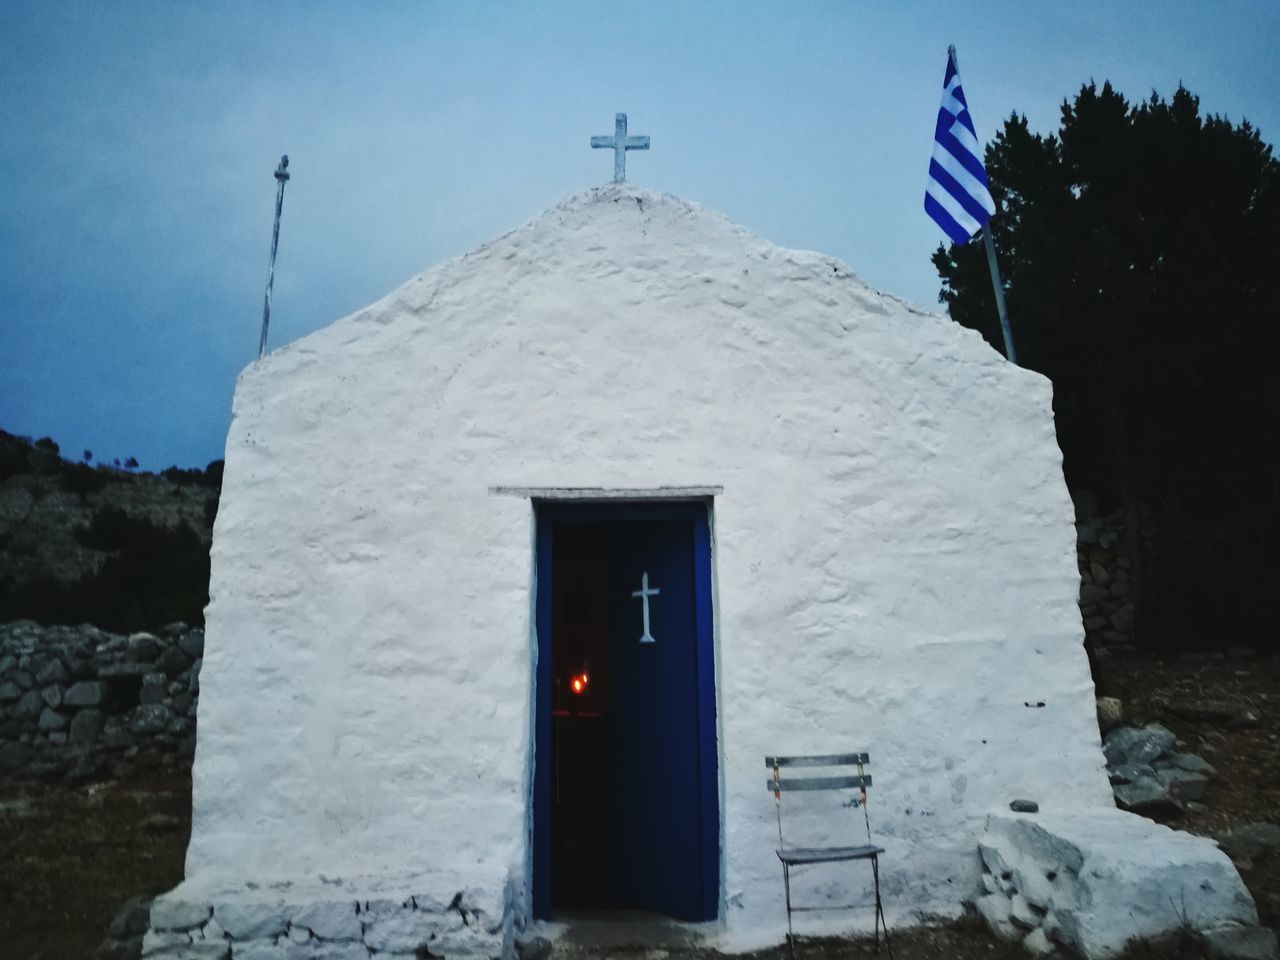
[805, 856]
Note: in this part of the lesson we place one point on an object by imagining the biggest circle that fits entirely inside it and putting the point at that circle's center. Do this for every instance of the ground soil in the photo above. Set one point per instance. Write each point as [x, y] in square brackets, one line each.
[71, 854]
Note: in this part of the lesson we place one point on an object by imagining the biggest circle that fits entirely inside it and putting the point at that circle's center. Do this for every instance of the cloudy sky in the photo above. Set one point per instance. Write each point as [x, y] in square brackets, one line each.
[137, 143]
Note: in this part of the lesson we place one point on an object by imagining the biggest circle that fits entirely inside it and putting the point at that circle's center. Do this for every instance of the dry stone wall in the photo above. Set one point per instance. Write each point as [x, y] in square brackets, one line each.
[1106, 588]
[78, 701]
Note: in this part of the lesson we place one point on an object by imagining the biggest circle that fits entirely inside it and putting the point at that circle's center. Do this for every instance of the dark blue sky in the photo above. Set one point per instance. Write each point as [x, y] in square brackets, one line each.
[138, 141]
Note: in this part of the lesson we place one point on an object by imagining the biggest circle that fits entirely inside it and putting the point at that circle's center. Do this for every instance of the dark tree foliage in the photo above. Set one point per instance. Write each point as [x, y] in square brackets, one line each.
[1140, 247]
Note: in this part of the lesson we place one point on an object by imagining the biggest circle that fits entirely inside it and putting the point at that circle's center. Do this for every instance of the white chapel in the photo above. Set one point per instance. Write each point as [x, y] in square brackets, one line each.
[520, 572]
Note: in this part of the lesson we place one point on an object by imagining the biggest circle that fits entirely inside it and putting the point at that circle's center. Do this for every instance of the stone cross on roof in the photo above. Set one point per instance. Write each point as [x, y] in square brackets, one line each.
[620, 143]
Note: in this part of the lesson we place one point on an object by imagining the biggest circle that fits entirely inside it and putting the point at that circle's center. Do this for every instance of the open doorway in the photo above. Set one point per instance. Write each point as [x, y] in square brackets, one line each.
[626, 806]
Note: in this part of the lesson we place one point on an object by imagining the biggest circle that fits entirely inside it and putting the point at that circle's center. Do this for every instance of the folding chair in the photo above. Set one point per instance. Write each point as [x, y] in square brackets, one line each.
[805, 856]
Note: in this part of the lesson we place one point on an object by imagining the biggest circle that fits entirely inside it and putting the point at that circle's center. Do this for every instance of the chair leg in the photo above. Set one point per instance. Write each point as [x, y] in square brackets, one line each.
[791, 937]
[880, 920]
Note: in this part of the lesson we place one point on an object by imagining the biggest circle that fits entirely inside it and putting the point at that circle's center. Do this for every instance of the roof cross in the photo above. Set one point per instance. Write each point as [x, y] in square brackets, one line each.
[620, 143]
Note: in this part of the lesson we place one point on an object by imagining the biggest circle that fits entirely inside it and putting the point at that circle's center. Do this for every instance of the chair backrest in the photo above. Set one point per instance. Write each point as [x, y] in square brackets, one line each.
[844, 771]
[858, 777]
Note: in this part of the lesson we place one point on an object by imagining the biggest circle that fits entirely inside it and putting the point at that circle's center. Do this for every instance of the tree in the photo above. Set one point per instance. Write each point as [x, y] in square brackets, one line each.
[1140, 246]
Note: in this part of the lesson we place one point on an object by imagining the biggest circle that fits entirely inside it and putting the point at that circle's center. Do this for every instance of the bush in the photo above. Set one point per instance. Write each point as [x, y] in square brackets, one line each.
[82, 479]
[154, 575]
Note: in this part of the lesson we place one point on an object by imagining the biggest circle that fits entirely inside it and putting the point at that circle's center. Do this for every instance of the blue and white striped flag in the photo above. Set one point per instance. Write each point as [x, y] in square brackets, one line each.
[957, 196]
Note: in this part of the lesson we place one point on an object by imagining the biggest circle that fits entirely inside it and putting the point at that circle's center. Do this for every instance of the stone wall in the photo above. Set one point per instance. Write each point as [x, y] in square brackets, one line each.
[1106, 601]
[78, 701]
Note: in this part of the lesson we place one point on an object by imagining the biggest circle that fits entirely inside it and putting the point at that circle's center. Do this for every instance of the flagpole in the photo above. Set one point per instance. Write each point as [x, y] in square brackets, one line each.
[996, 283]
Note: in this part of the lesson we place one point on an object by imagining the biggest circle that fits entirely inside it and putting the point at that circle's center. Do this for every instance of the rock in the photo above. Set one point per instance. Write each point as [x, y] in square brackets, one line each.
[1090, 593]
[173, 662]
[1241, 943]
[181, 702]
[1021, 914]
[1234, 716]
[1186, 761]
[995, 909]
[1251, 841]
[251, 921]
[155, 688]
[23, 679]
[1131, 773]
[132, 919]
[1024, 806]
[1148, 797]
[533, 948]
[193, 685]
[330, 920]
[178, 915]
[51, 720]
[1118, 877]
[1137, 744]
[143, 647]
[192, 644]
[52, 672]
[9, 691]
[86, 693]
[85, 726]
[29, 705]
[1037, 943]
[52, 695]
[1110, 713]
[150, 718]
[406, 930]
[1183, 784]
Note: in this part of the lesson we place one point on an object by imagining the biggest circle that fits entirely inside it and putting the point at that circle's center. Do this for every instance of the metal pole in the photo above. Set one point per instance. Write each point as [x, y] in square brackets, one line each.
[998, 285]
[282, 175]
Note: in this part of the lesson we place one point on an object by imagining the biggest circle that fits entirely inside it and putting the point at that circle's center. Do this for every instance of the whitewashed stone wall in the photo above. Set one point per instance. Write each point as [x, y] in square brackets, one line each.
[894, 554]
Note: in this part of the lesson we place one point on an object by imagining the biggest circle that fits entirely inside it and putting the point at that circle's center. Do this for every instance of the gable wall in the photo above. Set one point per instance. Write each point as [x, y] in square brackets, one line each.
[894, 555]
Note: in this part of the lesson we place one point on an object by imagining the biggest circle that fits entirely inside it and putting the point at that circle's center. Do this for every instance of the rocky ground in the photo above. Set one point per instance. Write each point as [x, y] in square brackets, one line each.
[73, 853]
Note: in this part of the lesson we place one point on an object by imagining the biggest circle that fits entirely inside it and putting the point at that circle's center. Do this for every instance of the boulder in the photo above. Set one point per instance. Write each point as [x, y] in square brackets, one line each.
[1137, 744]
[1115, 877]
[1147, 796]
[52, 695]
[1183, 785]
[1186, 761]
[1110, 713]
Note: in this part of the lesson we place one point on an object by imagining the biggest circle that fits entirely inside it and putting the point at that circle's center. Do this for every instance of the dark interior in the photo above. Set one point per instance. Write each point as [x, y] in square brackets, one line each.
[580, 787]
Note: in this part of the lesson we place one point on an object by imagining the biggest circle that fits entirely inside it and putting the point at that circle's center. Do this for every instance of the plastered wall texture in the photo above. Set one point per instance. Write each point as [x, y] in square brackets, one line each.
[76, 701]
[894, 557]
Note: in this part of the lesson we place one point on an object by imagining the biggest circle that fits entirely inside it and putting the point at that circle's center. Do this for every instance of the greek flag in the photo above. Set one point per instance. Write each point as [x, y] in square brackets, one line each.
[957, 196]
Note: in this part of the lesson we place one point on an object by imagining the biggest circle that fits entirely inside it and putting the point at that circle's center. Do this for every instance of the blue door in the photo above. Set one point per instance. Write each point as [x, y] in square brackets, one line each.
[625, 786]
